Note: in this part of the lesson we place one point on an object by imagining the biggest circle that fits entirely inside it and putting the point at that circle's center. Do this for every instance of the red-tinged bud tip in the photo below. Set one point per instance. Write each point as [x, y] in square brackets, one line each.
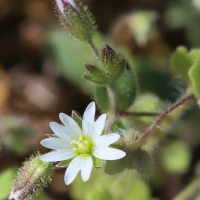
[90, 68]
[60, 4]
[108, 52]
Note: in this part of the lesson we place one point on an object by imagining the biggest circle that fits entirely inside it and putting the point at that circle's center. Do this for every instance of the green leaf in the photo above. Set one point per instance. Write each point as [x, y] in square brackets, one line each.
[142, 161]
[101, 98]
[194, 74]
[139, 160]
[126, 88]
[6, 180]
[182, 60]
[116, 166]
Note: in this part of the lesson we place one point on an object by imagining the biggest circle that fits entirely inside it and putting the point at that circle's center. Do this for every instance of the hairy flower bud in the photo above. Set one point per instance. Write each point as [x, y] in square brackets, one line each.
[96, 75]
[32, 177]
[75, 17]
[113, 63]
[112, 67]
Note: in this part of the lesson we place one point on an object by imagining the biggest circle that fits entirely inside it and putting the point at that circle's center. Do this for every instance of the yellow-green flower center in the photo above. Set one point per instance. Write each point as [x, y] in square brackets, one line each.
[83, 146]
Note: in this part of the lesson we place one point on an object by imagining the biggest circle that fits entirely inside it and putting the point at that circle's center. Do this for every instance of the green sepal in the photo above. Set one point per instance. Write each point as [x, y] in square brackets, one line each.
[139, 160]
[77, 119]
[101, 98]
[182, 60]
[194, 74]
[64, 163]
[96, 161]
[79, 22]
[142, 161]
[126, 88]
[96, 75]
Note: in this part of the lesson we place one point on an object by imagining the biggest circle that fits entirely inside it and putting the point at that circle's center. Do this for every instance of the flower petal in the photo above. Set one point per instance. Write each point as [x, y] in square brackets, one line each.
[55, 143]
[62, 132]
[60, 5]
[70, 124]
[86, 168]
[99, 125]
[106, 140]
[73, 169]
[71, 2]
[88, 120]
[107, 153]
[58, 155]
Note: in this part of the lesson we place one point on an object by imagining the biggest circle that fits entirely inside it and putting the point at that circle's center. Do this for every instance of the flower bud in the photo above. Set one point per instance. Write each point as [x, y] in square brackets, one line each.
[75, 17]
[96, 75]
[32, 177]
[113, 63]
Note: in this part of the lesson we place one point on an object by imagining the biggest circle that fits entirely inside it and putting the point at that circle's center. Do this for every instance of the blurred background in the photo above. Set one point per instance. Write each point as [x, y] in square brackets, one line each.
[40, 70]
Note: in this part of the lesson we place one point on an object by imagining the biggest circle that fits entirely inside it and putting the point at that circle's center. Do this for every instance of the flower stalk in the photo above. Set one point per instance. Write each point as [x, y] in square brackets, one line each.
[150, 130]
[93, 47]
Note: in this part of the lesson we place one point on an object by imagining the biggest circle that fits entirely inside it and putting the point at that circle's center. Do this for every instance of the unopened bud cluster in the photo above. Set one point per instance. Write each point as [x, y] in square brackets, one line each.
[112, 65]
[76, 19]
[33, 176]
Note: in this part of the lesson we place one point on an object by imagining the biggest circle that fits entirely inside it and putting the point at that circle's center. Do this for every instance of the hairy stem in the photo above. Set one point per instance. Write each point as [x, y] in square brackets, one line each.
[187, 192]
[149, 131]
[93, 47]
[113, 104]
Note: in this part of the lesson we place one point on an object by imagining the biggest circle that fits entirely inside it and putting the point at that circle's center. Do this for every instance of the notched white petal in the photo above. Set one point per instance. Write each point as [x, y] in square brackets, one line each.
[70, 124]
[99, 125]
[58, 155]
[55, 143]
[60, 5]
[62, 132]
[71, 2]
[86, 168]
[106, 140]
[72, 170]
[88, 119]
[107, 153]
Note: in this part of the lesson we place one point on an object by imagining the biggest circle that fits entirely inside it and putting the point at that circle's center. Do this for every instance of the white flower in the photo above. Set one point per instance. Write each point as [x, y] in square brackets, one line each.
[82, 145]
[60, 4]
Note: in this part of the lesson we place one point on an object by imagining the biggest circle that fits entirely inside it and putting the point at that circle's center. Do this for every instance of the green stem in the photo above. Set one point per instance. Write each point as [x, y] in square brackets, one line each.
[149, 131]
[113, 104]
[189, 190]
[93, 47]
